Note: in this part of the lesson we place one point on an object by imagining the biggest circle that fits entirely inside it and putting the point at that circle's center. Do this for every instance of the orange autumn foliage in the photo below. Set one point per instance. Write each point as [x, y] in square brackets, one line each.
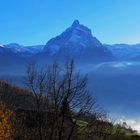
[6, 129]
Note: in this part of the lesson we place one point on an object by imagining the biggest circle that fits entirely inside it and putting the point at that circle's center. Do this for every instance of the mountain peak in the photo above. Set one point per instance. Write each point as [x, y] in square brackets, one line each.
[77, 29]
[77, 36]
[76, 23]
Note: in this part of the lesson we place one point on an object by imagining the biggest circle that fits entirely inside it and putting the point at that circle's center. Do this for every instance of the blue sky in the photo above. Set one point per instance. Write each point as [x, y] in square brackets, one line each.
[30, 22]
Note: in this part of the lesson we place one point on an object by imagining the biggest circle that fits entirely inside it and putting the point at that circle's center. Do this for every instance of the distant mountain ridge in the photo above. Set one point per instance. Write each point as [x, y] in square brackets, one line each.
[124, 51]
[75, 41]
[25, 51]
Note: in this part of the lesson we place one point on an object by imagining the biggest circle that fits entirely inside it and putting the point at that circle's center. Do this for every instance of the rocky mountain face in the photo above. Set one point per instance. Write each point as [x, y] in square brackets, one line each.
[78, 42]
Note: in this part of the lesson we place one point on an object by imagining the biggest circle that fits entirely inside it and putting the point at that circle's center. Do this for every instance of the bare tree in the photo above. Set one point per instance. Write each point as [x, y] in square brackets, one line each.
[62, 94]
[36, 82]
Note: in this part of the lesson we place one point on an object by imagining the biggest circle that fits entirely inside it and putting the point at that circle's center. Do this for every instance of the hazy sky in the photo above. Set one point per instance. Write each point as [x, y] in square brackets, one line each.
[36, 21]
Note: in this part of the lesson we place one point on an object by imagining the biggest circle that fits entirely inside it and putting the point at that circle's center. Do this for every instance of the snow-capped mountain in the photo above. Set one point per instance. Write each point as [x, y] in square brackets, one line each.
[124, 51]
[14, 57]
[77, 41]
[24, 51]
[77, 34]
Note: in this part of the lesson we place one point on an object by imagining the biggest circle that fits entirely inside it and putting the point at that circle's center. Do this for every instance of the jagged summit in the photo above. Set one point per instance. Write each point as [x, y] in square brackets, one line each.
[79, 28]
[77, 40]
[76, 23]
[77, 35]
